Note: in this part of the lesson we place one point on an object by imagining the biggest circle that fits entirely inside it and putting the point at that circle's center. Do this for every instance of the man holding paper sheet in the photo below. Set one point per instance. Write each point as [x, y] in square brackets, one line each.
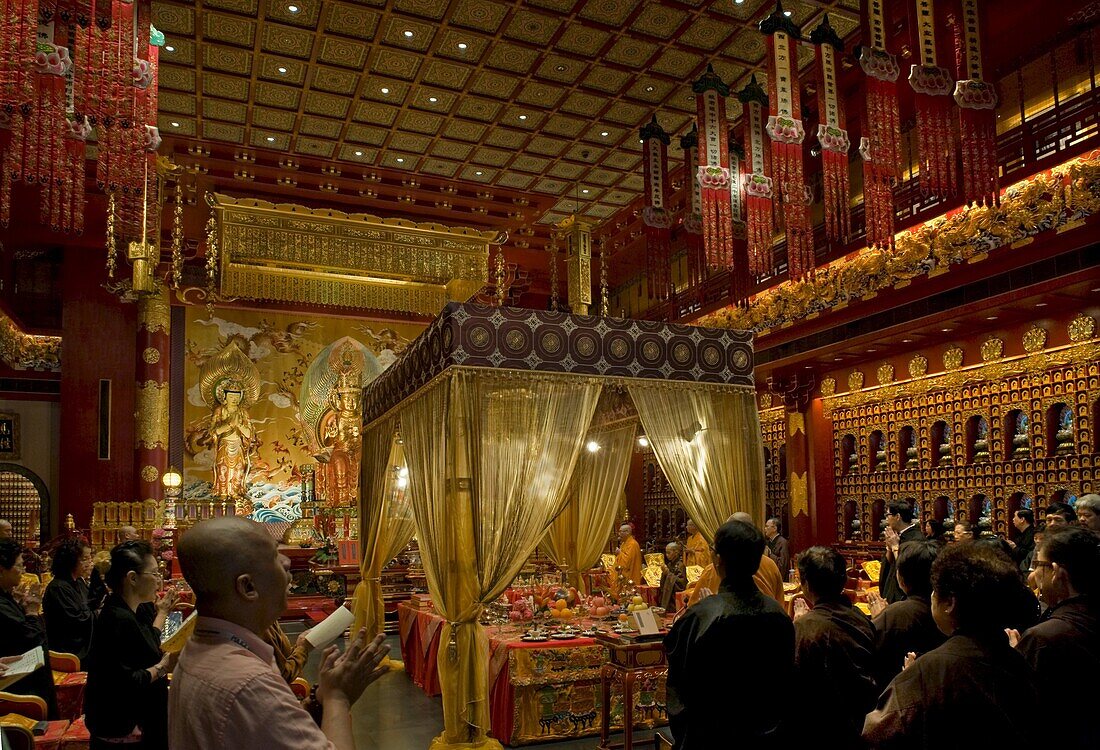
[226, 690]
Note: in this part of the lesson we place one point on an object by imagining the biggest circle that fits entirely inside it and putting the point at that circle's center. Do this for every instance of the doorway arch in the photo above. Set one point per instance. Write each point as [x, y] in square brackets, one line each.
[25, 502]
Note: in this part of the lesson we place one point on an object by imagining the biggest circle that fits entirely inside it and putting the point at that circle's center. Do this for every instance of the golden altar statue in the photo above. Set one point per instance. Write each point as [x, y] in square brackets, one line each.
[230, 384]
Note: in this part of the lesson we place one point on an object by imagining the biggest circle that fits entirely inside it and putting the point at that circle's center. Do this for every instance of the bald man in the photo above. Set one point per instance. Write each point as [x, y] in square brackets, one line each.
[767, 577]
[226, 690]
[128, 534]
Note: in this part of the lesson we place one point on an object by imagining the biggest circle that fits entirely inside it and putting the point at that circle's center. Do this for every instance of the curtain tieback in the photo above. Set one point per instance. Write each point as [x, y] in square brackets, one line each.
[373, 580]
[452, 643]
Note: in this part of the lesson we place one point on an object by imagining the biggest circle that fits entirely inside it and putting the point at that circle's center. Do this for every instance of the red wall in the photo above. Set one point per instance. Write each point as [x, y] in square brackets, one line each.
[98, 342]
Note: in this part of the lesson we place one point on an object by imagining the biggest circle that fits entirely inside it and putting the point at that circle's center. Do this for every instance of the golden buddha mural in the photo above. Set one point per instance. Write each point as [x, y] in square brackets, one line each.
[330, 401]
[230, 384]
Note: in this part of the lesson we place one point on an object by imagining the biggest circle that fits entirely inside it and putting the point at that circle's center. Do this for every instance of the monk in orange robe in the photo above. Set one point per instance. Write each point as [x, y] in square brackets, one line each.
[767, 577]
[628, 560]
[696, 549]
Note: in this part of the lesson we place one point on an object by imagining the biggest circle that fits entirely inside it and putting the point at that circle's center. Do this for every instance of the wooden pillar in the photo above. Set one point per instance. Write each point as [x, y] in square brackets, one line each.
[796, 393]
[151, 393]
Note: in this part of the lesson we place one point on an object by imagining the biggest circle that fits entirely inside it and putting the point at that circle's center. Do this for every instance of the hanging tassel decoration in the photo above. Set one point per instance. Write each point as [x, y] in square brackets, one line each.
[977, 101]
[880, 147]
[787, 133]
[759, 209]
[693, 219]
[655, 216]
[932, 85]
[832, 135]
[713, 172]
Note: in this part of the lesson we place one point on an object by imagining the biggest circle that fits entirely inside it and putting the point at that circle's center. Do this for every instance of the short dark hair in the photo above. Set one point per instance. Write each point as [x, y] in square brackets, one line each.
[124, 558]
[777, 523]
[937, 527]
[1077, 550]
[1064, 510]
[66, 555]
[900, 508]
[823, 571]
[984, 582]
[740, 545]
[915, 565]
[10, 550]
[967, 526]
[1027, 515]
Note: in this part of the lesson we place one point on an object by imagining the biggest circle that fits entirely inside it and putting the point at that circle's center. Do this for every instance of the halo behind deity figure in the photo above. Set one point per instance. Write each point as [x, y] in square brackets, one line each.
[229, 383]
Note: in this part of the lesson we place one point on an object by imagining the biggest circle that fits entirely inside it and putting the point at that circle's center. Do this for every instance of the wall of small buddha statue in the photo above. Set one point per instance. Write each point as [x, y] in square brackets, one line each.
[776, 498]
[975, 436]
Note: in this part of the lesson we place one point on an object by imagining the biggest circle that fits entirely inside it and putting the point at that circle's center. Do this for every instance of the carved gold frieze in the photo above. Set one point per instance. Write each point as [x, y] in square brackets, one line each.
[1082, 327]
[291, 253]
[1057, 200]
[992, 348]
[885, 374]
[855, 381]
[1035, 338]
[25, 351]
[918, 366]
[151, 415]
[953, 359]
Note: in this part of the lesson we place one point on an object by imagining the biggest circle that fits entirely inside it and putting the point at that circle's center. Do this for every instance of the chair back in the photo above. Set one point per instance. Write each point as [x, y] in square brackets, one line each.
[30, 706]
[17, 738]
[63, 662]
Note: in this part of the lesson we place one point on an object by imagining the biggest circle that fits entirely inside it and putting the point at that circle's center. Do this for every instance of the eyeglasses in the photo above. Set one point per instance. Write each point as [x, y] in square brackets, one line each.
[1036, 564]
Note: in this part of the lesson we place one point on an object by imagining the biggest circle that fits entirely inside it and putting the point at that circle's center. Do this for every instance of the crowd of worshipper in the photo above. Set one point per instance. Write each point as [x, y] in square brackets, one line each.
[977, 640]
[970, 642]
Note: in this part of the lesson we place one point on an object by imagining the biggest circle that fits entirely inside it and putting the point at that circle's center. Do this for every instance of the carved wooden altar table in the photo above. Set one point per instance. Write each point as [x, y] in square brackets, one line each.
[634, 663]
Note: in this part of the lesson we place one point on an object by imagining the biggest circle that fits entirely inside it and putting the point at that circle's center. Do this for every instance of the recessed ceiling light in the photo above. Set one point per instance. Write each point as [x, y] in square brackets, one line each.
[400, 160]
[907, 341]
[408, 34]
[358, 153]
[271, 139]
[837, 359]
[585, 191]
[478, 173]
[433, 99]
[560, 68]
[462, 45]
[292, 8]
[739, 2]
[169, 48]
[281, 69]
[649, 88]
[1097, 289]
[604, 133]
[1041, 304]
[872, 351]
[992, 317]
[385, 90]
[175, 124]
[787, 13]
[523, 117]
[946, 330]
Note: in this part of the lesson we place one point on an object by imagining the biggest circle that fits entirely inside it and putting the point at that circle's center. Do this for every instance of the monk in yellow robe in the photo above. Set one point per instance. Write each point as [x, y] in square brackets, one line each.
[767, 577]
[696, 549]
[628, 560]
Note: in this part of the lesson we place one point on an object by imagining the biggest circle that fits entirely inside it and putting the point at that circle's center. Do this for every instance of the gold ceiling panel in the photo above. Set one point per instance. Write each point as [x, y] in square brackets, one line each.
[366, 134]
[219, 131]
[292, 254]
[321, 127]
[611, 12]
[421, 122]
[352, 21]
[276, 119]
[533, 28]
[284, 40]
[479, 15]
[464, 131]
[511, 93]
[335, 81]
[219, 109]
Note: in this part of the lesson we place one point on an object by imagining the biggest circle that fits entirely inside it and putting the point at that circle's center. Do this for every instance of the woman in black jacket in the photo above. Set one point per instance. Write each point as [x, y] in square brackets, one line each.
[126, 699]
[68, 614]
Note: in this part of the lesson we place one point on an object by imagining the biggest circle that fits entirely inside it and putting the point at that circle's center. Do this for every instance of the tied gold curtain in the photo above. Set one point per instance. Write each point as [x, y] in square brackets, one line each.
[387, 522]
[490, 455]
[708, 443]
[578, 536]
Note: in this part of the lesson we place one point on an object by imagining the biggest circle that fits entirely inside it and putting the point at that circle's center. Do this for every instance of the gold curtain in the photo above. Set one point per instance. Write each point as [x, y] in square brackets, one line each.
[577, 537]
[386, 521]
[490, 455]
[707, 440]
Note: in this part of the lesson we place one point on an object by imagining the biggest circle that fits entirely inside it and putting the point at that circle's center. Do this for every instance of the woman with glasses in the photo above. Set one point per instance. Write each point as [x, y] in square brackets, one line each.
[126, 700]
[66, 605]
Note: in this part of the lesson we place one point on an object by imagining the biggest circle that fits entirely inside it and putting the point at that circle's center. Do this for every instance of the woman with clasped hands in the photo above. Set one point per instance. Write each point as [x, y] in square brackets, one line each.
[126, 700]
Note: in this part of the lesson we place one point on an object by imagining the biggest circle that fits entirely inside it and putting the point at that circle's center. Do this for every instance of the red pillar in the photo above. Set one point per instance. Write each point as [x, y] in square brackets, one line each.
[151, 393]
[796, 393]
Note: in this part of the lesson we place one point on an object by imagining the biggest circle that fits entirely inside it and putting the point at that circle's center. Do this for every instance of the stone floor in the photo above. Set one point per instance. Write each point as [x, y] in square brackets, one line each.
[394, 714]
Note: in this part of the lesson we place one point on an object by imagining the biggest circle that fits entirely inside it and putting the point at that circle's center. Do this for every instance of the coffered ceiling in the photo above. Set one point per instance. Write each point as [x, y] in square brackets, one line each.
[543, 97]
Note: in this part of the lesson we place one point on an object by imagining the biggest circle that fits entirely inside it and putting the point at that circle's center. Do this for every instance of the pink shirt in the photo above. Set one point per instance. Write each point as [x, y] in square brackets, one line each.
[226, 692]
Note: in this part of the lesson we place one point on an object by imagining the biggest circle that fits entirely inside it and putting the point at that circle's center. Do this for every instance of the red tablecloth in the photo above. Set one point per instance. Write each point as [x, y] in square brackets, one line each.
[419, 635]
[70, 693]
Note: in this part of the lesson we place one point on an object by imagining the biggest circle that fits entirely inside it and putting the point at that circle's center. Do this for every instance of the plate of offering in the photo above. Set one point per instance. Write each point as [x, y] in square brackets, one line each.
[563, 636]
[533, 638]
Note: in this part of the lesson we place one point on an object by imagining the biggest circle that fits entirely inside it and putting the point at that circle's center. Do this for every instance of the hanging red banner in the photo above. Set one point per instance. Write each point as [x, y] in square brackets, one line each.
[693, 216]
[832, 135]
[741, 276]
[932, 85]
[787, 133]
[977, 101]
[880, 146]
[758, 185]
[713, 172]
[655, 216]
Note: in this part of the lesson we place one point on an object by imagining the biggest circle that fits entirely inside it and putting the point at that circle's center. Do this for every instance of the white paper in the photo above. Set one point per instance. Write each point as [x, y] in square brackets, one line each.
[329, 629]
[645, 621]
[23, 666]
